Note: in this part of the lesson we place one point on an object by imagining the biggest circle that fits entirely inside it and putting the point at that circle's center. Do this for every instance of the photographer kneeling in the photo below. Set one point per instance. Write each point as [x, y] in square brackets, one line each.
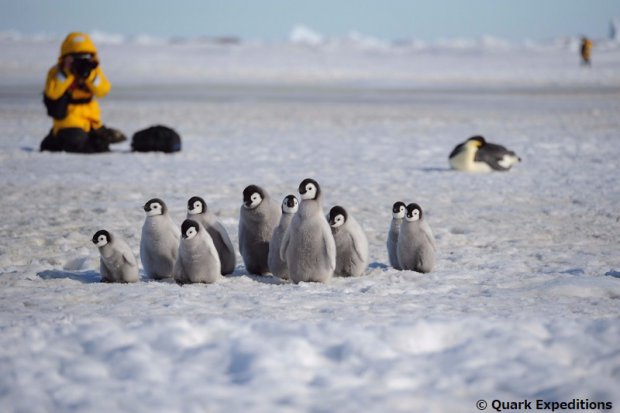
[69, 97]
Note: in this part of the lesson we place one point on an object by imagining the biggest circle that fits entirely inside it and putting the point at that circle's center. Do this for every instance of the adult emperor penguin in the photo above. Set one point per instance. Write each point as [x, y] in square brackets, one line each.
[198, 260]
[117, 262]
[308, 246]
[416, 244]
[198, 211]
[160, 241]
[477, 155]
[351, 243]
[258, 217]
[399, 209]
[277, 265]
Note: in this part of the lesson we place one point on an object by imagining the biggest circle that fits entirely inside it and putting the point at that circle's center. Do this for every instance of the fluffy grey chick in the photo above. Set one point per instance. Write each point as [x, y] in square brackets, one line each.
[399, 210]
[117, 263]
[308, 246]
[198, 211]
[277, 265]
[160, 241]
[351, 243]
[197, 261]
[416, 244]
[258, 217]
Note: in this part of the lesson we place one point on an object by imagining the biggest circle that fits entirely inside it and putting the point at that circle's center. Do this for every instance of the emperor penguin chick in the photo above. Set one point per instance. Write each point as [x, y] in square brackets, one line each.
[308, 246]
[416, 244]
[160, 241]
[277, 265]
[351, 243]
[198, 261]
[258, 217]
[399, 210]
[117, 262]
[198, 211]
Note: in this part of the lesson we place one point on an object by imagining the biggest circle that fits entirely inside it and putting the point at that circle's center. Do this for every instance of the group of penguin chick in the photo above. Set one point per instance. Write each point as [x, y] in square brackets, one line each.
[293, 240]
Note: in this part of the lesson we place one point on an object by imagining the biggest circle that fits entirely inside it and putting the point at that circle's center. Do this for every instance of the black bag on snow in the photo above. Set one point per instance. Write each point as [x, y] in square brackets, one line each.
[156, 139]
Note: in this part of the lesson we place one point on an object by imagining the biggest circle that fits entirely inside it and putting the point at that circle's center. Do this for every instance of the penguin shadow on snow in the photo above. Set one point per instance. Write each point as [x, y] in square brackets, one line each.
[240, 271]
[85, 277]
[94, 277]
[378, 266]
[430, 169]
[612, 273]
[273, 280]
[266, 279]
[30, 149]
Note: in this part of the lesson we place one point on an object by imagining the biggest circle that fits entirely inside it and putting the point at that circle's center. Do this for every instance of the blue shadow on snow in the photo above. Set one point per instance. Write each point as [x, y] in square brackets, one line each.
[85, 277]
[615, 274]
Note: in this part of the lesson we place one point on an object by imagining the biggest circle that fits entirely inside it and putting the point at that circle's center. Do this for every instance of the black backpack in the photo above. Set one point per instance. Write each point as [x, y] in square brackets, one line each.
[156, 139]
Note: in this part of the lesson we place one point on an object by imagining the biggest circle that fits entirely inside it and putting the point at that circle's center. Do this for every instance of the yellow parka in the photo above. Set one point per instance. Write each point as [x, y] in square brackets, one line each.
[586, 49]
[79, 115]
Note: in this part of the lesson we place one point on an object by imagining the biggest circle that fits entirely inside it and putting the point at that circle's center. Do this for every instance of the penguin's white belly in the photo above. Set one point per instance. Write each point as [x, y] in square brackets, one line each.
[307, 259]
[200, 265]
[114, 263]
[348, 263]
[464, 161]
[118, 270]
[414, 252]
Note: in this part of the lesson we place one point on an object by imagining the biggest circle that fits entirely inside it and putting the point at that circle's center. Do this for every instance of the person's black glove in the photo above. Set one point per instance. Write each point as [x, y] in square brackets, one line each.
[83, 66]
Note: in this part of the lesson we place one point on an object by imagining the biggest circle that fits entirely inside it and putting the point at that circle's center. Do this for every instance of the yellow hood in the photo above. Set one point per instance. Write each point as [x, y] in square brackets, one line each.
[77, 42]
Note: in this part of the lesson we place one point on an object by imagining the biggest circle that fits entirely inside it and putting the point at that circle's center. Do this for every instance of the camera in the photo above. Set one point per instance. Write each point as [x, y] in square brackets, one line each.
[82, 65]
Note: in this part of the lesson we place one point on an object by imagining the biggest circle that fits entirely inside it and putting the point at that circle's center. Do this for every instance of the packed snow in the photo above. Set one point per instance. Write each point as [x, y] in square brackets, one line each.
[524, 299]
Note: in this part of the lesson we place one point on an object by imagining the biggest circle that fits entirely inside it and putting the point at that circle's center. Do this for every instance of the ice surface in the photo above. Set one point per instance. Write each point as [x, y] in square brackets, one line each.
[524, 299]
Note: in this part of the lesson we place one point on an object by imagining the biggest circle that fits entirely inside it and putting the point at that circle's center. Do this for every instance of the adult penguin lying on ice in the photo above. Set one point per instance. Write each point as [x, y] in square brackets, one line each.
[477, 155]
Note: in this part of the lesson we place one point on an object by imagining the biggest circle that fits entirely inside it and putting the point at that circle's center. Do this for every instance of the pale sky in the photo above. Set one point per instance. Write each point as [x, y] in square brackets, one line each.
[274, 19]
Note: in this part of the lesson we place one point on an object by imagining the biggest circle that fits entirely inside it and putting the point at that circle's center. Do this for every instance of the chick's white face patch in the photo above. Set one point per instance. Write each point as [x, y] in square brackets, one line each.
[255, 200]
[196, 208]
[338, 221]
[156, 209]
[415, 216]
[102, 241]
[310, 192]
[190, 233]
[400, 214]
[290, 209]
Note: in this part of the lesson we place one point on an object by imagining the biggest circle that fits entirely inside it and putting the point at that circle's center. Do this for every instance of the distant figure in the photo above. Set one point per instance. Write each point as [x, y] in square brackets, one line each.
[70, 91]
[586, 51]
[614, 30]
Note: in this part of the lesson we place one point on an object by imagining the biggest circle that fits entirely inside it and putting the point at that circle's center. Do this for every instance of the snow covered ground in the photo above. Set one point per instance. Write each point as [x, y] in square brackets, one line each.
[524, 302]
